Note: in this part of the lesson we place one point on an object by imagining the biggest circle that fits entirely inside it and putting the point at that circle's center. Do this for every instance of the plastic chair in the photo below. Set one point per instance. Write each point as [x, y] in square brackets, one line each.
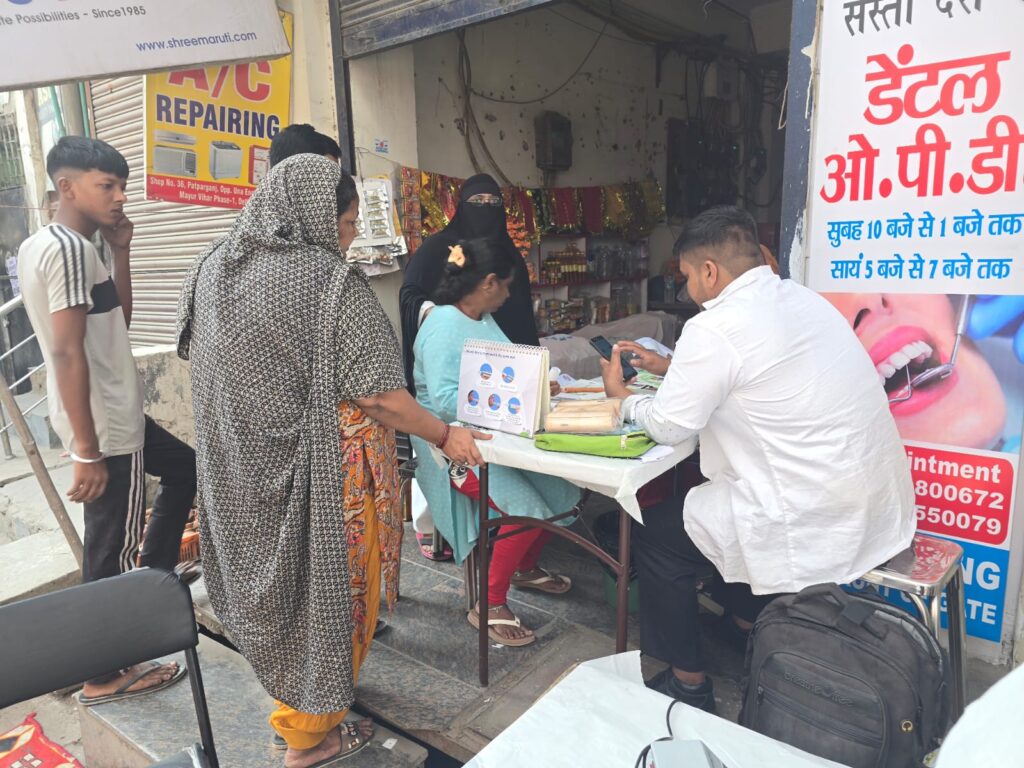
[58, 640]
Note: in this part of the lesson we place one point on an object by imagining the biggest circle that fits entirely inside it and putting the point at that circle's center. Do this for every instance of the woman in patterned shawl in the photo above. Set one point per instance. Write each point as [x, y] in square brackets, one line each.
[297, 384]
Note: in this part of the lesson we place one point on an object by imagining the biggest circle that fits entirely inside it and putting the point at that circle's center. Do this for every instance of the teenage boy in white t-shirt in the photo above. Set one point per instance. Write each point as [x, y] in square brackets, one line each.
[80, 313]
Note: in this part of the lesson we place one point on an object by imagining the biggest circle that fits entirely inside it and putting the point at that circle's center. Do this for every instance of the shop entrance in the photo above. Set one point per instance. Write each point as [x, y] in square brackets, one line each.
[607, 125]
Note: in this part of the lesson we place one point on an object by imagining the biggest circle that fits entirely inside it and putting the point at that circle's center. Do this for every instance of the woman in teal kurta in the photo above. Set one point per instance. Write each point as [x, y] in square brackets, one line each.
[476, 283]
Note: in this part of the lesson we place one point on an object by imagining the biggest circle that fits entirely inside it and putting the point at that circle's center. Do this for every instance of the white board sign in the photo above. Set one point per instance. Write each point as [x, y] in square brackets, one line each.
[916, 208]
[52, 41]
[916, 180]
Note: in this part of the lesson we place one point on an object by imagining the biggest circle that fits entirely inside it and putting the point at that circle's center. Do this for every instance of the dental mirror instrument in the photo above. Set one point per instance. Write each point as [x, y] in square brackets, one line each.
[939, 371]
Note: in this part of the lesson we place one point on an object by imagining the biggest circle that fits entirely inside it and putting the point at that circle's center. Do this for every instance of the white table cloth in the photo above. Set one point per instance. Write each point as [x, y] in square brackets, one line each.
[618, 478]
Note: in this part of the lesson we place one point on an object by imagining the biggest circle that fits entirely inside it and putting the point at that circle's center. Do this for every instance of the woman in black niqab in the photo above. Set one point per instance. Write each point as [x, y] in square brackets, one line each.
[426, 267]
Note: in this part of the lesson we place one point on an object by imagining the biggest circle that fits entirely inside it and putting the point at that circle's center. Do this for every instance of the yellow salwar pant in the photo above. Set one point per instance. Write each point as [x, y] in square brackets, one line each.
[302, 730]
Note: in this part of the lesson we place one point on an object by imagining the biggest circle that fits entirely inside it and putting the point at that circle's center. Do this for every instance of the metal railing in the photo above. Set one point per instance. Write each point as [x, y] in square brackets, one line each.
[5, 438]
[28, 443]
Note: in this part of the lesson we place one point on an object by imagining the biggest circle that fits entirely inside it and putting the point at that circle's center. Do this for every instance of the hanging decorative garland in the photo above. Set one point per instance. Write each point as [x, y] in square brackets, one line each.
[630, 210]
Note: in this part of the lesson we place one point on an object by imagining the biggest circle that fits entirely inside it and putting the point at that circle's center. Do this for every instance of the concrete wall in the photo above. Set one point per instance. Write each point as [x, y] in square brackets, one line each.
[312, 65]
[167, 389]
[383, 91]
[619, 114]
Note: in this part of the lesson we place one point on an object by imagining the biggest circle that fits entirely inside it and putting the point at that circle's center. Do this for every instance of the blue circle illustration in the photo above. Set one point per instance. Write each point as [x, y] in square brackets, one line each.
[508, 375]
[514, 406]
[473, 397]
[494, 402]
[486, 371]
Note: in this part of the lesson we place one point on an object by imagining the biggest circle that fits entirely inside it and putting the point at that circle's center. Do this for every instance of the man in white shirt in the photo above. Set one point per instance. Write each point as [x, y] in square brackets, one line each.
[80, 312]
[808, 479]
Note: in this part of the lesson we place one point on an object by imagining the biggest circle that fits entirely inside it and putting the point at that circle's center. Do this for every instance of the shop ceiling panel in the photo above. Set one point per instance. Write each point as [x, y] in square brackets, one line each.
[368, 26]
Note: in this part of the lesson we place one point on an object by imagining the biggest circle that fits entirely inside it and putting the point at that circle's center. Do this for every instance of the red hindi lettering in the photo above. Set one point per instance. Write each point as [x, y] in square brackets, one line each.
[852, 173]
[963, 87]
[891, 77]
[1000, 160]
[930, 146]
[927, 89]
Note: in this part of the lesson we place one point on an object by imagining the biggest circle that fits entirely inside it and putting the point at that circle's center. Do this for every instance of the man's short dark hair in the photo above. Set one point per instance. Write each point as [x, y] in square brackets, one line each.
[719, 226]
[84, 154]
[301, 138]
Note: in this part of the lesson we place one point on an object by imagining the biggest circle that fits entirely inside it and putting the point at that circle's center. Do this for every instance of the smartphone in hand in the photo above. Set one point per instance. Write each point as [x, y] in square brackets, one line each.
[604, 349]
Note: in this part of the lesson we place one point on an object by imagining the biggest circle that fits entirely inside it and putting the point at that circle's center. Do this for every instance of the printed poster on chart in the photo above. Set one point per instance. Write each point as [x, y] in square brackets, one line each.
[208, 131]
[504, 386]
[916, 212]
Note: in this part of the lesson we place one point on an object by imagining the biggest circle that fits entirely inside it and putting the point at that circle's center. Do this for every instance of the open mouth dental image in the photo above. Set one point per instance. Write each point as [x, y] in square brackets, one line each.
[899, 368]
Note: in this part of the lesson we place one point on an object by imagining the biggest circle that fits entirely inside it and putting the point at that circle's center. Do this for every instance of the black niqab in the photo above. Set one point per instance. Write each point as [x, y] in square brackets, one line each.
[423, 273]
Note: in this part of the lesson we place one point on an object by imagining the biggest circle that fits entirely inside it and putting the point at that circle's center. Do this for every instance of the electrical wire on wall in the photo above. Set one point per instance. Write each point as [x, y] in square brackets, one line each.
[471, 126]
[731, 138]
[470, 122]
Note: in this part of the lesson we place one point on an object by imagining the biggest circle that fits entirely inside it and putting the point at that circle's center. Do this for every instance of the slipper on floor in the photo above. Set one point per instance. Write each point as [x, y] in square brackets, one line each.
[124, 693]
[474, 620]
[541, 582]
[281, 745]
[426, 542]
[357, 743]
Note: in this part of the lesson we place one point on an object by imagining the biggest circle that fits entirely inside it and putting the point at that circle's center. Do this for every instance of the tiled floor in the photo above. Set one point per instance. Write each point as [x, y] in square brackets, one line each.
[422, 673]
[421, 676]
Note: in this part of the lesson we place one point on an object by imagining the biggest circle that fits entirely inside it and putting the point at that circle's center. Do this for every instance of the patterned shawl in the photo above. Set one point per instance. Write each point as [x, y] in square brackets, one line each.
[279, 331]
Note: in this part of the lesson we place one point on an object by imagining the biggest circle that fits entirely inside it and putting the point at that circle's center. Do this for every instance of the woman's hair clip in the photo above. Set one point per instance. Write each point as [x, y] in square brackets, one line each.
[456, 256]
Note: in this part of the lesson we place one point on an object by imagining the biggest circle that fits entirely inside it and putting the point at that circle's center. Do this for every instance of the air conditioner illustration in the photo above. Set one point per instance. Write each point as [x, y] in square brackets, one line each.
[225, 160]
[174, 161]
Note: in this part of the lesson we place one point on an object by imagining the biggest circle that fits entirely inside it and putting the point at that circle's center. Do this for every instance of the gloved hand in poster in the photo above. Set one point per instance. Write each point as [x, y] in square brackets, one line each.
[993, 314]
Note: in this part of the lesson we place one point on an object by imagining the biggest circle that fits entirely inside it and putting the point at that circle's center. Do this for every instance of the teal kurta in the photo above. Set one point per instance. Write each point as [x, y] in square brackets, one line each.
[438, 350]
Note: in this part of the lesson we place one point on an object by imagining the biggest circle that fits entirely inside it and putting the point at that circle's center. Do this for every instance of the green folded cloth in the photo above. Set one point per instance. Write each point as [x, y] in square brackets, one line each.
[626, 446]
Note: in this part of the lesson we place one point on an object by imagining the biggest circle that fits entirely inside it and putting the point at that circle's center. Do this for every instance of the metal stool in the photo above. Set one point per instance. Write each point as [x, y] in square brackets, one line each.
[921, 573]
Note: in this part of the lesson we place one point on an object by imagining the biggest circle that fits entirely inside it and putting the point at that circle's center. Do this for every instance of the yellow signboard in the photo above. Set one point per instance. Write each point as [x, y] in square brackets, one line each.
[208, 130]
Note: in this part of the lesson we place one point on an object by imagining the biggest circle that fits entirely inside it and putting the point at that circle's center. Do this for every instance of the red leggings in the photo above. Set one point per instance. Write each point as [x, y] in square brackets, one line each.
[516, 553]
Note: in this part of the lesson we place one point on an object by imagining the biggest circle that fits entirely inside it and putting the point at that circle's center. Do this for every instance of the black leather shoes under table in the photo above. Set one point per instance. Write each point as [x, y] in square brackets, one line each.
[700, 696]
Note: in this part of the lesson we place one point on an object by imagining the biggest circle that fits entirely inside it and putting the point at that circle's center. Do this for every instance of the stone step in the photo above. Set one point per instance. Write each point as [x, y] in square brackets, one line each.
[138, 732]
[35, 565]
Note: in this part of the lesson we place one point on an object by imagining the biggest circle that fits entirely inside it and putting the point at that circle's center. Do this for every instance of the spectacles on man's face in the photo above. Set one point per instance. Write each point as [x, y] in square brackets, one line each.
[485, 199]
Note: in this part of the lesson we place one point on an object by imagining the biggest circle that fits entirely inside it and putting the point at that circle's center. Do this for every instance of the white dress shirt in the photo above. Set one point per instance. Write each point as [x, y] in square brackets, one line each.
[808, 479]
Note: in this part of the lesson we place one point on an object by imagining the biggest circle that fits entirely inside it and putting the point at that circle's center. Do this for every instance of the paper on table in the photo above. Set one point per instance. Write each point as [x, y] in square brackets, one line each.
[602, 714]
[657, 453]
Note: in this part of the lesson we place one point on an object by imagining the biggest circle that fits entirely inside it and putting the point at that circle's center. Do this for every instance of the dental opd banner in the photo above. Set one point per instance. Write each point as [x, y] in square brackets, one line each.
[916, 235]
[51, 41]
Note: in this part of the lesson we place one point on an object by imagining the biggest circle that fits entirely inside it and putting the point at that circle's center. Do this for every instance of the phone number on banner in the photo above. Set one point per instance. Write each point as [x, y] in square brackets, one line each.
[964, 495]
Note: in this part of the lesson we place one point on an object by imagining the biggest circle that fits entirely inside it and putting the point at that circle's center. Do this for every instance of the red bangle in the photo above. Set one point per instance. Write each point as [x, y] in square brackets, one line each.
[444, 437]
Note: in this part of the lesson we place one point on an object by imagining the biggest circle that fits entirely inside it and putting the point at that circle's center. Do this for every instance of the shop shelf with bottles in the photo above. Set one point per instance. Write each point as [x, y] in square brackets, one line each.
[583, 280]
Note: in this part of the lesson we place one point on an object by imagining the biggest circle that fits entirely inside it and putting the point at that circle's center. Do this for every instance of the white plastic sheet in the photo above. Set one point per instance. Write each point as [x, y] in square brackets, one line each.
[601, 714]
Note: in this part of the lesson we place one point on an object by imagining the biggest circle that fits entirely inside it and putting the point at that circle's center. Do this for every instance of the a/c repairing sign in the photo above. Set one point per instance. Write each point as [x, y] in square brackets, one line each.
[208, 130]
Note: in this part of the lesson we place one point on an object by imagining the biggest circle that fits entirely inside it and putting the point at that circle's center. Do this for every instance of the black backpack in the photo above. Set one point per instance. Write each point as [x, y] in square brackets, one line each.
[847, 677]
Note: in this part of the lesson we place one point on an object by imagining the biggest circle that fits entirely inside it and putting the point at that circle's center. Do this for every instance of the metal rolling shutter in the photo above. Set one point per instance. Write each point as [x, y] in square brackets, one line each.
[368, 26]
[168, 236]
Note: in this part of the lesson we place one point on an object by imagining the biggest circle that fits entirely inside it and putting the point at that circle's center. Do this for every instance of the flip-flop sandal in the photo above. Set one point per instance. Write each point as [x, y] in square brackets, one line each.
[474, 620]
[356, 741]
[124, 693]
[426, 542]
[540, 582]
[281, 745]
